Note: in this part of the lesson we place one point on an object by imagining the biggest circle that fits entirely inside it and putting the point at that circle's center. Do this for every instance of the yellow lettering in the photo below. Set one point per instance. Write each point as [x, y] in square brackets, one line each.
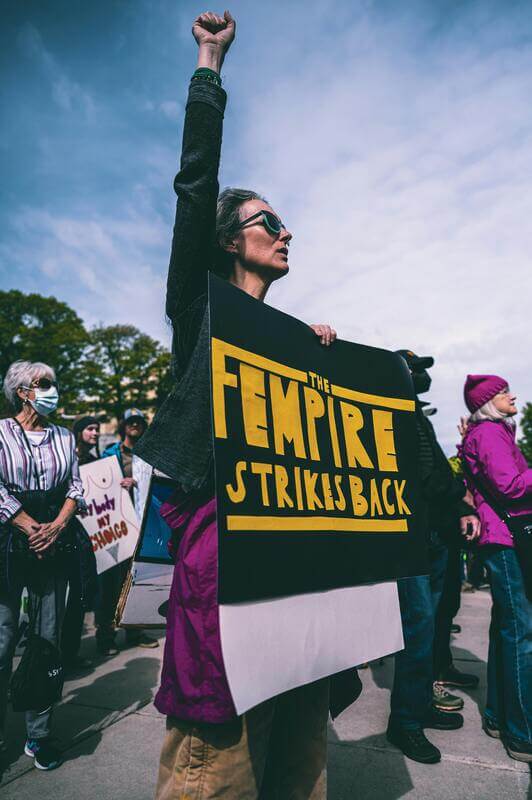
[360, 504]
[220, 379]
[310, 478]
[353, 422]
[390, 508]
[281, 482]
[384, 441]
[238, 494]
[334, 432]
[402, 507]
[327, 493]
[263, 470]
[315, 408]
[254, 405]
[299, 488]
[340, 501]
[286, 415]
[375, 505]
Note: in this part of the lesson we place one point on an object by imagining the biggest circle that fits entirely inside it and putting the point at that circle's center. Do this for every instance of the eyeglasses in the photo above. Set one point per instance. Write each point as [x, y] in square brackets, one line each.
[42, 383]
[272, 223]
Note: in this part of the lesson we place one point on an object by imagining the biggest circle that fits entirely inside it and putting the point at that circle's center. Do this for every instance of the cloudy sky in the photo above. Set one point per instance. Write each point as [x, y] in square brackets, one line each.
[394, 138]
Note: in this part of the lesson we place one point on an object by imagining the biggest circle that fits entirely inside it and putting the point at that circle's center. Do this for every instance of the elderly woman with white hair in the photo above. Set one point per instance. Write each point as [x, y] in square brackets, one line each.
[501, 482]
[40, 491]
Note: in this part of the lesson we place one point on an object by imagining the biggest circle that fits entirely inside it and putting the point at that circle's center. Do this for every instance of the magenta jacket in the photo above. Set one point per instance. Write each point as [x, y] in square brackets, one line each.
[491, 453]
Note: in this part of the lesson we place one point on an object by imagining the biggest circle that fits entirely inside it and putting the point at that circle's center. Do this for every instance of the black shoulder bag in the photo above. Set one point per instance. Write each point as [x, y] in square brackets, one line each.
[37, 683]
[520, 528]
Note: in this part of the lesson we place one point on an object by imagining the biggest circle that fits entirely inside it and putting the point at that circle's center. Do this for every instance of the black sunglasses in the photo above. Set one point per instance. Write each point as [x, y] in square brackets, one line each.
[272, 223]
[42, 383]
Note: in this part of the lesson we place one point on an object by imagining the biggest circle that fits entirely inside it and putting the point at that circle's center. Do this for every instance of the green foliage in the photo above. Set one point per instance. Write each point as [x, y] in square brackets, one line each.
[105, 370]
[123, 368]
[525, 443]
[37, 328]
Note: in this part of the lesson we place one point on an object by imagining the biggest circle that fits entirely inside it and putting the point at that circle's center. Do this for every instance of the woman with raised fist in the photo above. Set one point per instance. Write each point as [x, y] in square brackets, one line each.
[277, 749]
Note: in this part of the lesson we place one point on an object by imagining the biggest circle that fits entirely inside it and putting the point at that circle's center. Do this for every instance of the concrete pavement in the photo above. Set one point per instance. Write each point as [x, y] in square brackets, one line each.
[112, 736]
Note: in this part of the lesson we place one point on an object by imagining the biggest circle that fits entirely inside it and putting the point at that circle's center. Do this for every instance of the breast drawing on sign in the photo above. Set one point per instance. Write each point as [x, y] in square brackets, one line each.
[106, 483]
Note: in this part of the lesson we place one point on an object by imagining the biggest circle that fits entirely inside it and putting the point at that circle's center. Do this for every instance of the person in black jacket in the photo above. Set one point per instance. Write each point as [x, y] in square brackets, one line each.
[209, 751]
[442, 509]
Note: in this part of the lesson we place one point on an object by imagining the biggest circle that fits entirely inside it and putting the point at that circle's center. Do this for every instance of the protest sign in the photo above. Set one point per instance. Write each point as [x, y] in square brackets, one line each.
[110, 518]
[315, 456]
[144, 596]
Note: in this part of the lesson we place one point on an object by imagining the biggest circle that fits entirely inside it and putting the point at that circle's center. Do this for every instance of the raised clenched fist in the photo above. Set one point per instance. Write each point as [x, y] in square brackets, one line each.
[213, 31]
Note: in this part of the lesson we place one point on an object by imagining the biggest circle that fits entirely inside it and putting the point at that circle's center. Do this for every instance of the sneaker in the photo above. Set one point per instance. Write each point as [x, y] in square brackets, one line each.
[45, 756]
[461, 680]
[521, 751]
[444, 700]
[491, 728]
[443, 720]
[413, 744]
[140, 639]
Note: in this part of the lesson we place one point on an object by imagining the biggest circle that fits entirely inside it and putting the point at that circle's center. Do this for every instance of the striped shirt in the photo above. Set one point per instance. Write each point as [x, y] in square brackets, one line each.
[44, 465]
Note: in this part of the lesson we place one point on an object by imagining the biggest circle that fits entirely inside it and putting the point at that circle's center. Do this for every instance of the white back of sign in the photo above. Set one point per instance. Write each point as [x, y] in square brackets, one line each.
[272, 646]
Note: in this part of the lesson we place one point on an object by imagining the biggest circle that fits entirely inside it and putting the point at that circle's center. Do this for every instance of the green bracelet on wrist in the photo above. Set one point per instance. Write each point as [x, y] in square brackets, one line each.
[206, 74]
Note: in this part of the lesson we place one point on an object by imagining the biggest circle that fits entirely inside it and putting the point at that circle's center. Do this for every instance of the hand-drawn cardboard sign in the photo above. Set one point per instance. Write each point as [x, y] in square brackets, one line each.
[110, 519]
[315, 456]
[144, 596]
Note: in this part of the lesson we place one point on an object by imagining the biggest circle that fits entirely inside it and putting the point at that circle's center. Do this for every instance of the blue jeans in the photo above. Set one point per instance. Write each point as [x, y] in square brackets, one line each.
[509, 700]
[414, 672]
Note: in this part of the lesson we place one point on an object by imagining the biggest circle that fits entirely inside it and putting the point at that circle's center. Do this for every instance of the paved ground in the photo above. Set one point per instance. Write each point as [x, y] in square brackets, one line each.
[112, 735]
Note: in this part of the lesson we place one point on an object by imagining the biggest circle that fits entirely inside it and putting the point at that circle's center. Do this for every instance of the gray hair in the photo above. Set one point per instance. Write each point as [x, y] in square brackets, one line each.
[489, 411]
[228, 219]
[22, 373]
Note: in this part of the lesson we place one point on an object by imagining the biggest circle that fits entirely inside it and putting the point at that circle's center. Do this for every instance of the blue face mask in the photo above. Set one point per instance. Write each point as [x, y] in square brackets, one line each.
[46, 401]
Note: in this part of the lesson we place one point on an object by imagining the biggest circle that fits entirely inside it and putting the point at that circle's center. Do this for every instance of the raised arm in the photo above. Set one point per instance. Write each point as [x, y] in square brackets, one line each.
[196, 184]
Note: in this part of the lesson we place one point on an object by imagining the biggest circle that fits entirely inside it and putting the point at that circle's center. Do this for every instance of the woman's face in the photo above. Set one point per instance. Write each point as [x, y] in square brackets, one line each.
[505, 402]
[258, 249]
[90, 434]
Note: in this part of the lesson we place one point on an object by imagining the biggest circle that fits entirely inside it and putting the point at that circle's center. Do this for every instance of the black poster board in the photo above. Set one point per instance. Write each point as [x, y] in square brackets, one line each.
[315, 456]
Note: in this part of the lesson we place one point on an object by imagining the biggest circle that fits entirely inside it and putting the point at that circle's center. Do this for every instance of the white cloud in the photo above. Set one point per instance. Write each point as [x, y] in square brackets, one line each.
[403, 167]
[103, 267]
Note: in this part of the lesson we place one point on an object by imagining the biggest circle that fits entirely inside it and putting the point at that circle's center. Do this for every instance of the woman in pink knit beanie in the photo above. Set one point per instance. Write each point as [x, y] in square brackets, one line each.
[498, 475]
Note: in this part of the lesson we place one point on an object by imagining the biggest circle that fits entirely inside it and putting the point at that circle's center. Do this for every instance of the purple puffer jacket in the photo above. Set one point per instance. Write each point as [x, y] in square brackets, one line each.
[491, 453]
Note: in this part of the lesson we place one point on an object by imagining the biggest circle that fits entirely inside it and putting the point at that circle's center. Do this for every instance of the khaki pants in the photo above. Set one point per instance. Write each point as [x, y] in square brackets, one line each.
[276, 751]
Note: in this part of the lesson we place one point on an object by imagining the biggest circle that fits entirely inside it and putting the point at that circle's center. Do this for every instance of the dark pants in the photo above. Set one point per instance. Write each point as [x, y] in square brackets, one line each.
[448, 608]
[509, 700]
[110, 585]
[418, 598]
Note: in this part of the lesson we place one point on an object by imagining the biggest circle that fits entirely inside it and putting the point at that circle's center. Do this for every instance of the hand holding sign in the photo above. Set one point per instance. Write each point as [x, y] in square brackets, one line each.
[326, 333]
[110, 519]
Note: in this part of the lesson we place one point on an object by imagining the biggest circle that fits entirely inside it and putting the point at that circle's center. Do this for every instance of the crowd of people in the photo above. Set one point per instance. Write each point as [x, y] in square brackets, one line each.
[483, 506]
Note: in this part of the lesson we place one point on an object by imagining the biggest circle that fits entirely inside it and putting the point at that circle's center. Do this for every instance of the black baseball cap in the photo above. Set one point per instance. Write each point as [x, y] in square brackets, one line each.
[416, 363]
